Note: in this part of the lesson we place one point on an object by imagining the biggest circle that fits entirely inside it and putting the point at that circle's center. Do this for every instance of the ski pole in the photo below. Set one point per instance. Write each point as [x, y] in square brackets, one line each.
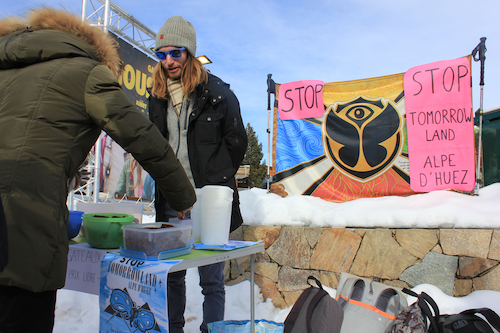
[481, 48]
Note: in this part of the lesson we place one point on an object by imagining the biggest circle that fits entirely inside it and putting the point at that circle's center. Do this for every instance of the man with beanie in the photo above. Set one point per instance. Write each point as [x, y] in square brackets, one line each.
[200, 116]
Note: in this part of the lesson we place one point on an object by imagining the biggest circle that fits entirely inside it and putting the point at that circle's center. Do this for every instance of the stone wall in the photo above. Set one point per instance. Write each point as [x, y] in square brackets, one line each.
[458, 261]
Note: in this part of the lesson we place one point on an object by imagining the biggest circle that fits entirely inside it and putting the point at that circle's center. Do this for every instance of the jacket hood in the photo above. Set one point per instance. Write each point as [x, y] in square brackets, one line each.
[48, 33]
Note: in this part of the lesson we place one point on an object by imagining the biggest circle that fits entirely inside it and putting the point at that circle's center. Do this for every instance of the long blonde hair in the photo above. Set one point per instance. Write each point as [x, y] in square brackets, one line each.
[192, 75]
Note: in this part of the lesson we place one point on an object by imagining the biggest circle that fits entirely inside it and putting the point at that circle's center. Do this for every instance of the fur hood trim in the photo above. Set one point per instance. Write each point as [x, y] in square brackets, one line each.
[106, 48]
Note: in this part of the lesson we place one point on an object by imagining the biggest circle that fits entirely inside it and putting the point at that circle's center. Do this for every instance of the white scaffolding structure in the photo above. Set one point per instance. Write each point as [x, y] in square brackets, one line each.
[110, 16]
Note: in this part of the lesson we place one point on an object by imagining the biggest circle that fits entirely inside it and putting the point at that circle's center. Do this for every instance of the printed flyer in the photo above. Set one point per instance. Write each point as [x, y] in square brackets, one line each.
[133, 294]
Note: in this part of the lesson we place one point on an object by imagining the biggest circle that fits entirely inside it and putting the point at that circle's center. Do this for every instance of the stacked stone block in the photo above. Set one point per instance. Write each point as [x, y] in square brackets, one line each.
[458, 261]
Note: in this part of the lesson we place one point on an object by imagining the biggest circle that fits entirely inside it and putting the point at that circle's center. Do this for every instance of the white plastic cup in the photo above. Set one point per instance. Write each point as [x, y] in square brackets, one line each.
[216, 207]
[196, 217]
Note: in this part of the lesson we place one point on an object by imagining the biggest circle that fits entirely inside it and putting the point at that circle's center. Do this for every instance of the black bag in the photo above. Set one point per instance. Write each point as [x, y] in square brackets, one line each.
[467, 322]
[314, 312]
[412, 318]
[464, 322]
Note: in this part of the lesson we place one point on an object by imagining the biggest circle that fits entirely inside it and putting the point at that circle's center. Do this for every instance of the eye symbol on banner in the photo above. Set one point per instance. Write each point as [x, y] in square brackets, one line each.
[122, 305]
[363, 137]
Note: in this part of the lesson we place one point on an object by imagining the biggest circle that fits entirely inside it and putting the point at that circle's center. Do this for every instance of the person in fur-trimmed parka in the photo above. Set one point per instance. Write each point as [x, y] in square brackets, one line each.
[58, 90]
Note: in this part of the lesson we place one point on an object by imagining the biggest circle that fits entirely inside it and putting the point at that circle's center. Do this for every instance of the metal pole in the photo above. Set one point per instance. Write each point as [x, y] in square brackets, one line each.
[71, 199]
[97, 168]
[84, 10]
[268, 138]
[480, 143]
[252, 291]
[481, 48]
[271, 89]
[106, 16]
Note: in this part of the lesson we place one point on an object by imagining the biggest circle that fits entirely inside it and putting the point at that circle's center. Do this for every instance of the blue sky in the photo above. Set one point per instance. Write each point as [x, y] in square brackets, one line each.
[327, 40]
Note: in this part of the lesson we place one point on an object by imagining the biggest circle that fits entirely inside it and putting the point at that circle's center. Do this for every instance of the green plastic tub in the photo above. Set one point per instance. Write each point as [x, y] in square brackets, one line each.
[104, 230]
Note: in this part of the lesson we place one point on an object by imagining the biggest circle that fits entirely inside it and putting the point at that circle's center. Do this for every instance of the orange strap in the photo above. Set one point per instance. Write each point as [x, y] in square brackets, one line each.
[369, 307]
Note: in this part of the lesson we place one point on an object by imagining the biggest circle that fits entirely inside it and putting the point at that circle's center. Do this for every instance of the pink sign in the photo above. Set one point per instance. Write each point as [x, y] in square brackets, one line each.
[440, 124]
[301, 99]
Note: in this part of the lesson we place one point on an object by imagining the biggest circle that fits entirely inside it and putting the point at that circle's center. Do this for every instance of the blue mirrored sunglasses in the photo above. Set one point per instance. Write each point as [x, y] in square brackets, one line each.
[175, 53]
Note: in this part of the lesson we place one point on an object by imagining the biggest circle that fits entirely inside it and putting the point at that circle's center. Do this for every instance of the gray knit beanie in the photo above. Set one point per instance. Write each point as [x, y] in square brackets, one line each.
[176, 31]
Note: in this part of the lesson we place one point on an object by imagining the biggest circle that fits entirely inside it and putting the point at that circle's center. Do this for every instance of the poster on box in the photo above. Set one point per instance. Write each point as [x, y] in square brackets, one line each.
[83, 271]
[133, 294]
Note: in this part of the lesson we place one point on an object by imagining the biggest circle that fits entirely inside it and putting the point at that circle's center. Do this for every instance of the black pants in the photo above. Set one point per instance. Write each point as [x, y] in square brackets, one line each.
[25, 311]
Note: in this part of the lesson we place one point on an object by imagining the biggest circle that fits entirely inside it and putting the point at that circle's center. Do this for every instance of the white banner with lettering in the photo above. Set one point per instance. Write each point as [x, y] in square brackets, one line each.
[133, 294]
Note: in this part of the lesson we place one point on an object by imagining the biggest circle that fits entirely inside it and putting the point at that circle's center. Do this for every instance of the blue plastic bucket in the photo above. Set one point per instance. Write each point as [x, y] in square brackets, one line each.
[74, 223]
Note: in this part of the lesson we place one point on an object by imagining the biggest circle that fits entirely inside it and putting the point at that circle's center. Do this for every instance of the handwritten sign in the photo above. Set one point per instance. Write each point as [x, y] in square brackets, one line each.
[84, 264]
[301, 99]
[439, 121]
[133, 294]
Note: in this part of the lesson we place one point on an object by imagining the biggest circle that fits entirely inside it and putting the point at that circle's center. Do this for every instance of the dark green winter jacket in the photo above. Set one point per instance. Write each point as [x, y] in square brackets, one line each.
[58, 90]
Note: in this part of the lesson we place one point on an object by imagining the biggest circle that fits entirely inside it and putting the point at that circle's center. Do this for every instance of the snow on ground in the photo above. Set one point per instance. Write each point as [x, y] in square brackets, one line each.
[79, 312]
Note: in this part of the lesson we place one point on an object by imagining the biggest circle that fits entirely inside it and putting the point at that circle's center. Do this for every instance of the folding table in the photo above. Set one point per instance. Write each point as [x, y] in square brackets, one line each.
[84, 262]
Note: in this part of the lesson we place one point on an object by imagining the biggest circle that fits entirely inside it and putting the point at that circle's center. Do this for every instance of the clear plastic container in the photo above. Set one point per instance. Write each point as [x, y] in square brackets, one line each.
[153, 239]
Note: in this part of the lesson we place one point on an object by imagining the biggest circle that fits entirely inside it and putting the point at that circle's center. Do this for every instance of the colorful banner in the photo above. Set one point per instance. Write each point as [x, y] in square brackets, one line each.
[440, 125]
[133, 295]
[356, 149]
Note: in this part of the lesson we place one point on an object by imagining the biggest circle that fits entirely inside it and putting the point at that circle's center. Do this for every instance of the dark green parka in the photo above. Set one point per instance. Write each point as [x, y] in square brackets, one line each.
[58, 90]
